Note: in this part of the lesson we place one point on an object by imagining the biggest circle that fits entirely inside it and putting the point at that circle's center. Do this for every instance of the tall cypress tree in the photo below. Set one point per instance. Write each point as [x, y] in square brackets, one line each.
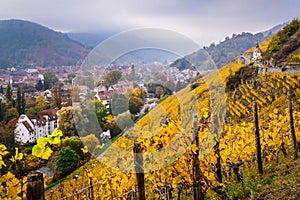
[1, 89]
[10, 102]
[2, 111]
[23, 103]
[19, 101]
[8, 93]
[39, 86]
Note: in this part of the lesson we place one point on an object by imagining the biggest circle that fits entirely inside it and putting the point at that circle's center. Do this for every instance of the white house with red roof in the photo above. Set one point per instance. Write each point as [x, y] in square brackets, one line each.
[256, 53]
[104, 95]
[31, 127]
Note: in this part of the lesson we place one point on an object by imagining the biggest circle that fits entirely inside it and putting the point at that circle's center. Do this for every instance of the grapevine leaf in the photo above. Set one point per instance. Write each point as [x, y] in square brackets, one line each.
[42, 142]
[54, 139]
[12, 159]
[2, 163]
[84, 149]
[205, 115]
[47, 153]
[194, 148]
[18, 156]
[37, 151]
[57, 133]
[3, 150]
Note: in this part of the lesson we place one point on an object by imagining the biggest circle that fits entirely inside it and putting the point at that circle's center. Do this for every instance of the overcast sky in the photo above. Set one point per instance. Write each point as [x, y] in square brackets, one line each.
[204, 21]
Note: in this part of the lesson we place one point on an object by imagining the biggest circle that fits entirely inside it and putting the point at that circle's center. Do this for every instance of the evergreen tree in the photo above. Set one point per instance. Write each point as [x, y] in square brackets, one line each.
[10, 102]
[39, 86]
[8, 93]
[2, 111]
[23, 103]
[19, 101]
[1, 90]
[13, 103]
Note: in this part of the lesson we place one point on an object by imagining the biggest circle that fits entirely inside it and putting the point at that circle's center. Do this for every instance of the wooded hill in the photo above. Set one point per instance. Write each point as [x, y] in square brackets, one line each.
[223, 53]
[24, 43]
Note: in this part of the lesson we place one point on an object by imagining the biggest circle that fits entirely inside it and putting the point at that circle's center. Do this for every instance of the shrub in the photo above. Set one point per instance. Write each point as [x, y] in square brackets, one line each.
[67, 160]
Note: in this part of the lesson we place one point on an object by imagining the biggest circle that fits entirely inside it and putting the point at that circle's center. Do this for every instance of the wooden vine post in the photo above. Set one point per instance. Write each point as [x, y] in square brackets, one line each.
[91, 189]
[35, 186]
[198, 194]
[292, 127]
[139, 170]
[257, 137]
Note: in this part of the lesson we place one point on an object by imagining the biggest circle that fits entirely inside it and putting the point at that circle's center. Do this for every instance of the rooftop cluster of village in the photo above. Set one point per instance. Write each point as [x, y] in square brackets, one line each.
[46, 90]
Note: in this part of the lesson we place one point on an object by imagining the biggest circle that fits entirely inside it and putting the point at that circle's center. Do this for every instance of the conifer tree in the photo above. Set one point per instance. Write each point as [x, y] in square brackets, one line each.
[18, 101]
[1, 89]
[2, 111]
[39, 86]
[8, 93]
[23, 103]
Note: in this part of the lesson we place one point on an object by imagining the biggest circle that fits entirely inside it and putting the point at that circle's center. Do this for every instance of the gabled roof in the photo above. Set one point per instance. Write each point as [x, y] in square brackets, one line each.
[40, 116]
[28, 127]
[22, 116]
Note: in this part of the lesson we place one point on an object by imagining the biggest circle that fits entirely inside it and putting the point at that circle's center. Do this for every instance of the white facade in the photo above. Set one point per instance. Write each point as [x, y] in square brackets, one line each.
[30, 128]
[257, 53]
[24, 131]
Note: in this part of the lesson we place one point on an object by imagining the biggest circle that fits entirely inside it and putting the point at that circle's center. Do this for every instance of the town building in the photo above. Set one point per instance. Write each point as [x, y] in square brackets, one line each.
[31, 127]
[257, 53]
[104, 94]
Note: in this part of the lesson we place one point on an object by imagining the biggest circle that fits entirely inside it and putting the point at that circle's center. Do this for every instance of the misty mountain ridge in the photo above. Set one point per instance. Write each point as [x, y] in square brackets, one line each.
[90, 40]
[216, 56]
[24, 43]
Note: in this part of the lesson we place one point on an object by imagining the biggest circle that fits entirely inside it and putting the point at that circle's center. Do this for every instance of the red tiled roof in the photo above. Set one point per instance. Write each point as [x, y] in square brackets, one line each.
[40, 116]
[27, 125]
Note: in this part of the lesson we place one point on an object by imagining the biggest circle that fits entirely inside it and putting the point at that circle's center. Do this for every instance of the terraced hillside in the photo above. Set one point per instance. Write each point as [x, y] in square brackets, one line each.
[169, 148]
